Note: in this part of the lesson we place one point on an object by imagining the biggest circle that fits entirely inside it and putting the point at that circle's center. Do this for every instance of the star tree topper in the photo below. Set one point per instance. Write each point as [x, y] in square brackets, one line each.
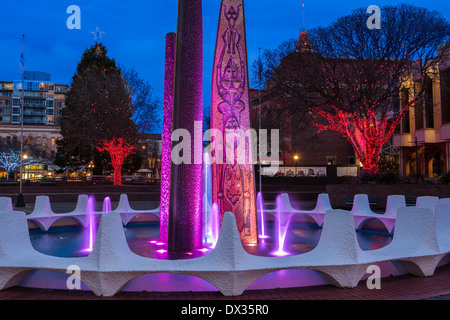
[98, 34]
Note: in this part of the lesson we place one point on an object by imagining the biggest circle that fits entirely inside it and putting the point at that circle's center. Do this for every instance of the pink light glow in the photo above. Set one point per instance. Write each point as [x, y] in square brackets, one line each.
[282, 221]
[167, 134]
[215, 220]
[280, 253]
[92, 228]
[185, 227]
[260, 209]
[107, 205]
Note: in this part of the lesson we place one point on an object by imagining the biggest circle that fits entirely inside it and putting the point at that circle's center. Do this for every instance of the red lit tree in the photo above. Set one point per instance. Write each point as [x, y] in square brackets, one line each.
[119, 149]
[353, 80]
[99, 110]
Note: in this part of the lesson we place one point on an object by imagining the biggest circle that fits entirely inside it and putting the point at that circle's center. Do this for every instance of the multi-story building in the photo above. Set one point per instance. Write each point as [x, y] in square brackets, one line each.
[43, 101]
[300, 145]
[424, 135]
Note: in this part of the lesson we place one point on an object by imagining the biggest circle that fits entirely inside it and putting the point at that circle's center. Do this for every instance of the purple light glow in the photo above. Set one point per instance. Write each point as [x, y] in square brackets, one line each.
[282, 221]
[92, 228]
[185, 227]
[215, 224]
[106, 205]
[261, 220]
[167, 134]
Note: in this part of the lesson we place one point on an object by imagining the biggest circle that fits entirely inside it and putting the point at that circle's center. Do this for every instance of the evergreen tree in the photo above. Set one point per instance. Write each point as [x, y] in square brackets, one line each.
[99, 110]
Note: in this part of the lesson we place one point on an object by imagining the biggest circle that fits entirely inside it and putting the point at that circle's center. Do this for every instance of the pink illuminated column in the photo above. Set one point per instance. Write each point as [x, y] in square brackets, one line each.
[233, 182]
[186, 179]
[171, 39]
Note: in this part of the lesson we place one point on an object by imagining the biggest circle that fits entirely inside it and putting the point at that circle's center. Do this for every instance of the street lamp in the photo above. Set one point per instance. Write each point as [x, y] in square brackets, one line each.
[296, 158]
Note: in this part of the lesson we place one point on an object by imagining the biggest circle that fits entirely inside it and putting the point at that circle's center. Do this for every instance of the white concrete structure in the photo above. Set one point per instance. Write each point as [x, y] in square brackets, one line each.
[420, 242]
[44, 216]
[363, 213]
[427, 202]
[284, 207]
[127, 213]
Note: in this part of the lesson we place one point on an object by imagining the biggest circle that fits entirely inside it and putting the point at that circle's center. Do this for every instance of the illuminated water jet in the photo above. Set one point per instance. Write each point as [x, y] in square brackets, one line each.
[282, 221]
[261, 218]
[106, 205]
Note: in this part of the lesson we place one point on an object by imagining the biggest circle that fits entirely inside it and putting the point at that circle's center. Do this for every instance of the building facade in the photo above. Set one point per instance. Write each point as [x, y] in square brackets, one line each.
[43, 101]
[423, 138]
[300, 144]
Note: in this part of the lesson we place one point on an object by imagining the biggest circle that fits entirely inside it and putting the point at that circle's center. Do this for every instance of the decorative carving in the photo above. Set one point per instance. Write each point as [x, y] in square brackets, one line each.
[233, 183]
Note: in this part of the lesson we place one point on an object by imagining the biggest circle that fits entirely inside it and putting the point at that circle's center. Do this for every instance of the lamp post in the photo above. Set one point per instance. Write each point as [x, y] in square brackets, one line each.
[296, 158]
[20, 200]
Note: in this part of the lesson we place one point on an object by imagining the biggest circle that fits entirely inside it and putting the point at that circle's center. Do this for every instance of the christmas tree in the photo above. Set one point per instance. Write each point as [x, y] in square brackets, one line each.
[99, 110]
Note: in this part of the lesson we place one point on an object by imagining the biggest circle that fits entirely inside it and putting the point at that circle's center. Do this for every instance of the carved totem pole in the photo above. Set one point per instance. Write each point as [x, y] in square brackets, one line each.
[233, 182]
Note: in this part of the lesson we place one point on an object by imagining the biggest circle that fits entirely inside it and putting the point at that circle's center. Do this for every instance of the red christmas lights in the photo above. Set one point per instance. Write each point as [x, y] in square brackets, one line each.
[367, 133]
[118, 149]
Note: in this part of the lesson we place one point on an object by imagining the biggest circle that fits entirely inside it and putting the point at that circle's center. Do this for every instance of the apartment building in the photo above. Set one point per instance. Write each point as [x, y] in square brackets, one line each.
[424, 134]
[43, 101]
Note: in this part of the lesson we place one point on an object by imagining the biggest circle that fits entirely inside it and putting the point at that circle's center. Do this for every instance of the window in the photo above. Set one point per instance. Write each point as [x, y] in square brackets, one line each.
[351, 161]
[429, 104]
[445, 95]
[418, 107]
[5, 110]
[5, 119]
[331, 161]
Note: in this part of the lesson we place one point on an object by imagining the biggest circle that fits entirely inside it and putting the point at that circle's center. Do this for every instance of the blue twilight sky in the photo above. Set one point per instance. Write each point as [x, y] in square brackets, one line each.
[136, 29]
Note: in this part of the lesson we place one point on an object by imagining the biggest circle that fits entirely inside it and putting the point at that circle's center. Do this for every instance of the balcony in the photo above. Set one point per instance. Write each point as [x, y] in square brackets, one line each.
[445, 131]
[34, 106]
[427, 136]
[403, 140]
[31, 112]
[34, 118]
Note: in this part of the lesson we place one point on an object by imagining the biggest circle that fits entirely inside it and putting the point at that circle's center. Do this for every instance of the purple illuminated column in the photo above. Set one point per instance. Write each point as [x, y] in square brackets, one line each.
[233, 182]
[186, 179]
[171, 39]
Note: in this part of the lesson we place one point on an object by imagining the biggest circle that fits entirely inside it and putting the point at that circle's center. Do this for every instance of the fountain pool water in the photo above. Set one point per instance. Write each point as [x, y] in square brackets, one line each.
[143, 239]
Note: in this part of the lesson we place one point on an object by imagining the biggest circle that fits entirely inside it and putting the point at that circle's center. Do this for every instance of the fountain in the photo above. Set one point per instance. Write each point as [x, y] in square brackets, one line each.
[106, 205]
[198, 198]
[92, 225]
[282, 220]
[261, 218]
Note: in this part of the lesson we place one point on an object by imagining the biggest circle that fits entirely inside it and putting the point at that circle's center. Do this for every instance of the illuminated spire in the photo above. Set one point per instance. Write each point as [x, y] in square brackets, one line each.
[303, 44]
[303, 9]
